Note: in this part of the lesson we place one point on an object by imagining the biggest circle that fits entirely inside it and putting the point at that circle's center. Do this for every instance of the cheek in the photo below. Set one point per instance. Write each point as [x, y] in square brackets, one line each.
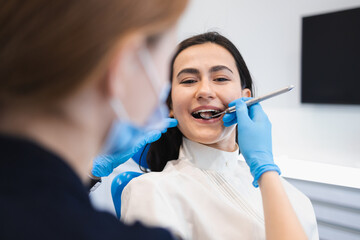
[231, 95]
[179, 103]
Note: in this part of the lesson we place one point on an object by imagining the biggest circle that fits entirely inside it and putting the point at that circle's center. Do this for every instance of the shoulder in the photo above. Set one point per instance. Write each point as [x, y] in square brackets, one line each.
[157, 190]
[150, 198]
[152, 186]
[176, 172]
[155, 178]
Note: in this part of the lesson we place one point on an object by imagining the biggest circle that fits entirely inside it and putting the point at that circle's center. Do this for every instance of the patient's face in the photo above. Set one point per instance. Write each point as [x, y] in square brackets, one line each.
[205, 78]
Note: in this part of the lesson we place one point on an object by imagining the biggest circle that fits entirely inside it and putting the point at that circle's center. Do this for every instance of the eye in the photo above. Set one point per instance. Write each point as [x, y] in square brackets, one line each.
[221, 80]
[188, 81]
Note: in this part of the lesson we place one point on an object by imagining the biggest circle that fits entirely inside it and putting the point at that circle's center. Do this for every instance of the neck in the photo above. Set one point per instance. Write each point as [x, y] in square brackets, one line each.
[227, 144]
[75, 137]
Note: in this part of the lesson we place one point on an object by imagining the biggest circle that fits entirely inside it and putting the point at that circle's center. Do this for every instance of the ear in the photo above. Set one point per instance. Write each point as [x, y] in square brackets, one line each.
[170, 104]
[246, 92]
[123, 64]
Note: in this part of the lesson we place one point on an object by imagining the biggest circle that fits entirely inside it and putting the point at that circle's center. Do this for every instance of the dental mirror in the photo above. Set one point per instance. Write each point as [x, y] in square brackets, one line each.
[250, 102]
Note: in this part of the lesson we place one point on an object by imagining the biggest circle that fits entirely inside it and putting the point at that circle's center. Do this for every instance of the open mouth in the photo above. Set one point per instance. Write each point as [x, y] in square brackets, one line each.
[205, 114]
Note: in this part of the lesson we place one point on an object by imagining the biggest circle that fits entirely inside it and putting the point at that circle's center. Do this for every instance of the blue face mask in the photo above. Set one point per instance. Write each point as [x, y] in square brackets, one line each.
[123, 134]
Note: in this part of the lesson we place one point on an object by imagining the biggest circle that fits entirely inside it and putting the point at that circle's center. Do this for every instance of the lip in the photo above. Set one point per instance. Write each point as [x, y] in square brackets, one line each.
[210, 121]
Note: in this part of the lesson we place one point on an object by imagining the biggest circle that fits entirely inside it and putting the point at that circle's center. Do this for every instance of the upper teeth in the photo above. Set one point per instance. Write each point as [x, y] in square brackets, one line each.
[207, 110]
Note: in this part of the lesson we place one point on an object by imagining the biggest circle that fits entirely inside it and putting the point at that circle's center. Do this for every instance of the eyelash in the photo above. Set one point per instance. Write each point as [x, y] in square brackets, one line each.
[190, 81]
[221, 79]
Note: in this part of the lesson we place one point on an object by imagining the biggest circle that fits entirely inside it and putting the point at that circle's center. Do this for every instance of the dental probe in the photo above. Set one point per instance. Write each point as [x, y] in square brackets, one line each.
[251, 101]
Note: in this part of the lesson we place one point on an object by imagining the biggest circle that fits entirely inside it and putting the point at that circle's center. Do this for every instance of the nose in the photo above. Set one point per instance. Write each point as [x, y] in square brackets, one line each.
[205, 90]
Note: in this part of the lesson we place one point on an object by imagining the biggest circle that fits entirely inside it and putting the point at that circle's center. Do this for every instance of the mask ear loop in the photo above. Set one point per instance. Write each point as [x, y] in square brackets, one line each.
[149, 67]
[119, 110]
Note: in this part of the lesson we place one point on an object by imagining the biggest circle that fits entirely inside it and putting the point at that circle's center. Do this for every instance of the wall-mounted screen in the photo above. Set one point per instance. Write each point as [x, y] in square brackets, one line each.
[331, 58]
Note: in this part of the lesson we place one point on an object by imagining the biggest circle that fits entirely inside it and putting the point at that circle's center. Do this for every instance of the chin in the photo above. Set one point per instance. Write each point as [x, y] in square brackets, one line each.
[206, 140]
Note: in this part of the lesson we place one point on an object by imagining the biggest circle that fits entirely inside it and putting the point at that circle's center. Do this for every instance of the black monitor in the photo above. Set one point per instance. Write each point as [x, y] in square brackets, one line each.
[331, 58]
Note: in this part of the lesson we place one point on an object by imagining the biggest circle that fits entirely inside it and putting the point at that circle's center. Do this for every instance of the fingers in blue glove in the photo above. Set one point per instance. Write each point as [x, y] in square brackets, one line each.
[170, 123]
[104, 164]
[149, 137]
[152, 136]
[230, 118]
[155, 135]
[256, 113]
[242, 114]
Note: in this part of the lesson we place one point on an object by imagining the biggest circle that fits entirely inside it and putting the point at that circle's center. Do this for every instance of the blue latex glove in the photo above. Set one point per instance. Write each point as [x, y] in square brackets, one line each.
[254, 137]
[105, 164]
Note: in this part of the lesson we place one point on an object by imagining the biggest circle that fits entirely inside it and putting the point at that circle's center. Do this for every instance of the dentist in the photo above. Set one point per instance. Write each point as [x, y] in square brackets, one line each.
[77, 79]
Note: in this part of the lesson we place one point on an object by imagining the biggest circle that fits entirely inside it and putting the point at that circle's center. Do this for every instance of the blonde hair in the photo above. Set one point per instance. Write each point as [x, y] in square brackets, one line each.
[48, 49]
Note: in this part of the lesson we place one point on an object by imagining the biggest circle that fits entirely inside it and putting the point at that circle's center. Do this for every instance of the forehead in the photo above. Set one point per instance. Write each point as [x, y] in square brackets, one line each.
[203, 57]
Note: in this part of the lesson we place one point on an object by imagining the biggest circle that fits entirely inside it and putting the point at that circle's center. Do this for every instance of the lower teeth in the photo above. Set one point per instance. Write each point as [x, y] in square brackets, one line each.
[206, 115]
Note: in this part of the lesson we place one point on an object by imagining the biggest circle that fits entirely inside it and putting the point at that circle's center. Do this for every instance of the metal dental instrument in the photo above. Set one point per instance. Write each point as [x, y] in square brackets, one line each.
[251, 102]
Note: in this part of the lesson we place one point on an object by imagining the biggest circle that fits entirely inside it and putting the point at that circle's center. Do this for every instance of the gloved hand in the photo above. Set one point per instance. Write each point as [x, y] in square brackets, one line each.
[254, 137]
[104, 164]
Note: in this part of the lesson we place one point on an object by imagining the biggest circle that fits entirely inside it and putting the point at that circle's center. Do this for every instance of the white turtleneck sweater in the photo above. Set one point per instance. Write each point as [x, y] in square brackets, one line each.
[206, 194]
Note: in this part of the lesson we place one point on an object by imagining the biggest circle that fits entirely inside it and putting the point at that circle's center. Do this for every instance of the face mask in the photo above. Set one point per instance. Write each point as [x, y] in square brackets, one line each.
[124, 134]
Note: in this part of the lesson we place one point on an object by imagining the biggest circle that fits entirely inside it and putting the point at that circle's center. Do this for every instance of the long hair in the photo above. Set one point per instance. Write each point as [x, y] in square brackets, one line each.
[168, 146]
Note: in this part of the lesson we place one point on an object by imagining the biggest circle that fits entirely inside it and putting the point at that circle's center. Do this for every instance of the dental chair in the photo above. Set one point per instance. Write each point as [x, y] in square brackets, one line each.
[121, 180]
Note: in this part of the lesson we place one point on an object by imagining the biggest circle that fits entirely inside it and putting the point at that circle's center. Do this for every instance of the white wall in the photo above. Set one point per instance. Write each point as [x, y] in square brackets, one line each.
[268, 34]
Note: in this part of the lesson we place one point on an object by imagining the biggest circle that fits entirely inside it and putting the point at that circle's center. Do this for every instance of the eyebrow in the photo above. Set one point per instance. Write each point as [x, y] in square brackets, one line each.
[188, 70]
[219, 68]
[196, 71]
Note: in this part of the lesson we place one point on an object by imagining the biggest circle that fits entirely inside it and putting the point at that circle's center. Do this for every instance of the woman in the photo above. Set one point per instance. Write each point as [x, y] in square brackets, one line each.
[70, 73]
[208, 193]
